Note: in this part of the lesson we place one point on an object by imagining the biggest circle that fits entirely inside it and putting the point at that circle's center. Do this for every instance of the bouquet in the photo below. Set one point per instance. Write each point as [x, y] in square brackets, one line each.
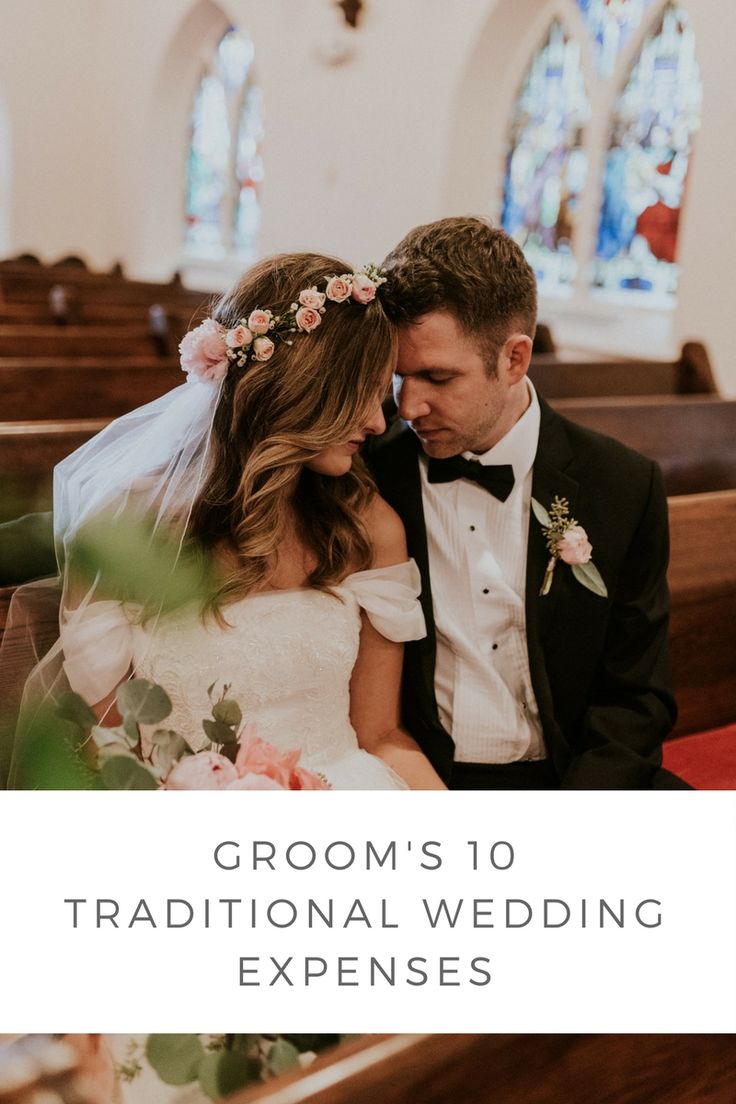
[234, 758]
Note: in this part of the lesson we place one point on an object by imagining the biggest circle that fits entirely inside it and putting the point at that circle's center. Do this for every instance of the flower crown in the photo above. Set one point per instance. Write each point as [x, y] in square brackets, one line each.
[208, 351]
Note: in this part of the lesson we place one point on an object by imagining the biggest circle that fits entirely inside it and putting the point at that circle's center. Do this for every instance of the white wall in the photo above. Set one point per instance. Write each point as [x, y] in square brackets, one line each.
[97, 96]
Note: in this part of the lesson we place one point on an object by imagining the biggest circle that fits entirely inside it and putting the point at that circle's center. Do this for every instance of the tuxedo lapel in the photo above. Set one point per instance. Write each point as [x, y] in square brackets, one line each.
[549, 479]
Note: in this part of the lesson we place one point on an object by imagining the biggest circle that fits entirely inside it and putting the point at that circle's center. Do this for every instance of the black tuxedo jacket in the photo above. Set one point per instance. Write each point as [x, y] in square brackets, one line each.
[599, 666]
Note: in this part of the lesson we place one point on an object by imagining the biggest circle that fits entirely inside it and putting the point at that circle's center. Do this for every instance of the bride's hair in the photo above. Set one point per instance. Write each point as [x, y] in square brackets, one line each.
[274, 416]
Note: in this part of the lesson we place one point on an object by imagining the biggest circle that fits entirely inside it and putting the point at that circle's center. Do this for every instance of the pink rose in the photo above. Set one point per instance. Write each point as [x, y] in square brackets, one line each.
[239, 337]
[364, 289]
[307, 319]
[263, 348]
[575, 548]
[259, 321]
[310, 297]
[338, 288]
[204, 771]
[203, 351]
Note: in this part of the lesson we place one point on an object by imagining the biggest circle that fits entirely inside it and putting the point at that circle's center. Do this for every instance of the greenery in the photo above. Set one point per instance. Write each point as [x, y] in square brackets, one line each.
[222, 1064]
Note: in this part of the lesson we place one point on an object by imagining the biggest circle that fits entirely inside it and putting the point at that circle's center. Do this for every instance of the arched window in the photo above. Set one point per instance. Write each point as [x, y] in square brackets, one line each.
[546, 163]
[633, 133]
[611, 22]
[225, 167]
[654, 121]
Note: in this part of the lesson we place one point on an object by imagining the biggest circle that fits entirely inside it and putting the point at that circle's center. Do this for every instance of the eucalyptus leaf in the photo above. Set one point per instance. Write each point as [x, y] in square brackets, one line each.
[541, 514]
[227, 711]
[72, 707]
[131, 731]
[218, 732]
[112, 750]
[47, 757]
[282, 1057]
[223, 1072]
[125, 772]
[146, 702]
[241, 1044]
[590, 577]
[175, 1058]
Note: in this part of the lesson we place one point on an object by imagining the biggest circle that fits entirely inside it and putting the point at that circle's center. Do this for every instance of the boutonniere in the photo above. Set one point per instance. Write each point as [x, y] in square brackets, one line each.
[567, 541]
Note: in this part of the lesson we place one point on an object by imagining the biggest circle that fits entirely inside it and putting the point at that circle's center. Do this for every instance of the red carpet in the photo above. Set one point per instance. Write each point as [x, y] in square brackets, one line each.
[707, 760]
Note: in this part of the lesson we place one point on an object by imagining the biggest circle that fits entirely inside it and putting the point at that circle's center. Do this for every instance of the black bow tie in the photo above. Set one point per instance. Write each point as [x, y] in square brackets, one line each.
[497, 479]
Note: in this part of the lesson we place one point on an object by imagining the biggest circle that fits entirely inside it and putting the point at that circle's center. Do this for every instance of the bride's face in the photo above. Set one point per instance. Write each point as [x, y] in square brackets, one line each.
[337, 459]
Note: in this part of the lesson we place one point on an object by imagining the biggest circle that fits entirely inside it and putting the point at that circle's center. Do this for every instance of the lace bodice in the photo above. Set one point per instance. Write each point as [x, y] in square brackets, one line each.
[287, 655]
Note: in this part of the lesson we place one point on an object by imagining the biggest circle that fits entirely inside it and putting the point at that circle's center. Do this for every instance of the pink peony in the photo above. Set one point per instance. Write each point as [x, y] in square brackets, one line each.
[302, 779]
[254, 782]
[259, 321]
[307, 319]
[204, 771]
[338, 288]
[364, 289]
[575, 548]
[203, 351]
[263, 348]
[239, 337]
[310, 297]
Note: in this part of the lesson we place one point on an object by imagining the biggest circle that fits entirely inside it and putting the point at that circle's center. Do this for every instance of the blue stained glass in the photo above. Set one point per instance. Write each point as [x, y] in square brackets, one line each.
[611, 23]
[225, 165]
[546, 165]
[209, 154]
[249, 169]
[655, 120]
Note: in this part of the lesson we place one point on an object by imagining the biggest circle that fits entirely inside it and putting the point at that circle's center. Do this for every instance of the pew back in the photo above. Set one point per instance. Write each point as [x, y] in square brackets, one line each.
[41, 388]
[29, 452]
[513, 1069]
[560, 376]
[702, 577]
[692, 438]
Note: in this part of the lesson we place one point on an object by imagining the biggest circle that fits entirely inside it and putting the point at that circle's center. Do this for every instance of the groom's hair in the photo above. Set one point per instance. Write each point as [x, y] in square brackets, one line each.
[468, 267]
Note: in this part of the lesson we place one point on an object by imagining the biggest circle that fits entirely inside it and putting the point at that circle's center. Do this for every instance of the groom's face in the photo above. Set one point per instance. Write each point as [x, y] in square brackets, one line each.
[445, 389]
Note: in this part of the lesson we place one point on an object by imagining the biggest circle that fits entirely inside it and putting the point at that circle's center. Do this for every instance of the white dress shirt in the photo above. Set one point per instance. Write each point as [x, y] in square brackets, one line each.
[477, 558]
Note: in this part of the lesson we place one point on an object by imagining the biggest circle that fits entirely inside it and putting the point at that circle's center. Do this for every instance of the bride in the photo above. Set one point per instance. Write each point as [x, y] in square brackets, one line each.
[254, 461]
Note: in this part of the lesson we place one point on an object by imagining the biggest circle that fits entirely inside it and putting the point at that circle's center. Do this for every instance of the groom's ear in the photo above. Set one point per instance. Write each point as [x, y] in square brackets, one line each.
[515, 357]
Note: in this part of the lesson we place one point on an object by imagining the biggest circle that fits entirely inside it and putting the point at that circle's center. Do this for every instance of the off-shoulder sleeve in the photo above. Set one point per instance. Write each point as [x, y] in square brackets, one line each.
[390, 597]
[97, 640]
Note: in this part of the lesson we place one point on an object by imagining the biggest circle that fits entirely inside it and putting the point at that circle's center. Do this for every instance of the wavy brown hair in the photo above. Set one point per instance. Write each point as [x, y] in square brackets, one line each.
[273, 417]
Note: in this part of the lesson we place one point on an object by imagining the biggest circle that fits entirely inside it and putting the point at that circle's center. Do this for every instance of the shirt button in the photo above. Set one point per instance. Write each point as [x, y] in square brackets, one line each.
[472, 528]
[494, 647]
[486, 590]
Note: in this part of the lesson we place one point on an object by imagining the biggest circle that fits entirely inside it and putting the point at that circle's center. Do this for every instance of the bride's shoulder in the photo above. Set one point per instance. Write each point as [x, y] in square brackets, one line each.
[386, 532]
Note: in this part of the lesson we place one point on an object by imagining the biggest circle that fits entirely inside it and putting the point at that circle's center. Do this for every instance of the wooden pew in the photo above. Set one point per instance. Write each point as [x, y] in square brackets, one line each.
[65, 310]
[82, 341]
[50, 388]
[28, 453]
[559, 378]
[692, 438]
[702, 577]
[512, 1069]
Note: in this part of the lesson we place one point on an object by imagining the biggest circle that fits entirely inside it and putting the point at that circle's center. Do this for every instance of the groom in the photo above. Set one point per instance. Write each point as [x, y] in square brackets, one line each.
[514, 688]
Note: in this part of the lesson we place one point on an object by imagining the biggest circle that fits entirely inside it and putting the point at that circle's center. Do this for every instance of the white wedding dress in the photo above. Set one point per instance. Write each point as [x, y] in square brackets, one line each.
[288, 657]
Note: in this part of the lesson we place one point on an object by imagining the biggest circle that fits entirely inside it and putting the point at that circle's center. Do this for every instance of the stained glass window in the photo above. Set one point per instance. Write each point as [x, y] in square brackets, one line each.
[611, 23]
[225, 167]
[645, 173]
[546, 164]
